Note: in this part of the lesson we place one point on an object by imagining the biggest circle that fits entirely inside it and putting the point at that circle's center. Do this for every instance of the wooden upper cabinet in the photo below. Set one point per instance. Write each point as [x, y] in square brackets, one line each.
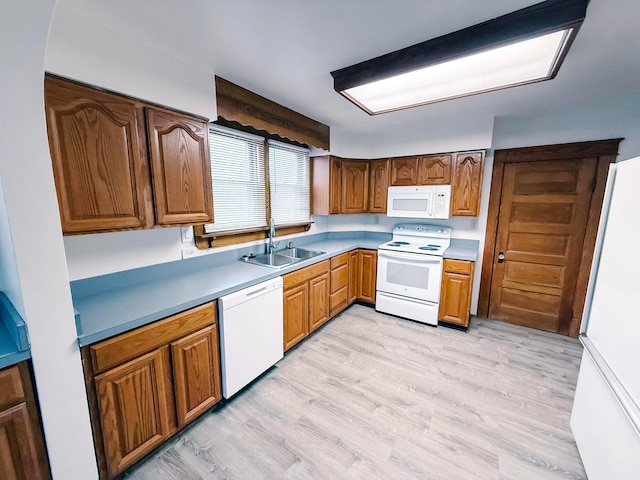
[466, 184]
[181, 171]
[105, 155]
[326, 185]
[355, 186]
[378, 184]
[404, 171]
[98, 151]
[434, 169]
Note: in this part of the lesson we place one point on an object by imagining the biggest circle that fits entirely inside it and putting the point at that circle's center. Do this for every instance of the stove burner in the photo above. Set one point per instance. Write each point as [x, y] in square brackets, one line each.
[398, 244]
[429, 247]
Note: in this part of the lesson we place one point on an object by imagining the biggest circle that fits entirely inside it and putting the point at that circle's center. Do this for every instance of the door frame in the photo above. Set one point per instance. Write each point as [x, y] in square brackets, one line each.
[606, 152]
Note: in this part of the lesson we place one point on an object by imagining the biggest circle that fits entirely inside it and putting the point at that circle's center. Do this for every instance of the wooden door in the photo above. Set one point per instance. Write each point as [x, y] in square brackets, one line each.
[319, 290]
[98, 152]
[354, 275]
[368, 268]
[296, 314]
[355, 186]
[181, 171]
[196, 373]
[378, 185]
[136, 408]
[434, 169]
[466, 184]
[541, 227]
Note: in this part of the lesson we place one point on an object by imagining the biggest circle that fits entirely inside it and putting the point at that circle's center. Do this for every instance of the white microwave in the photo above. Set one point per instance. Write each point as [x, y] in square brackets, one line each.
[428, 201]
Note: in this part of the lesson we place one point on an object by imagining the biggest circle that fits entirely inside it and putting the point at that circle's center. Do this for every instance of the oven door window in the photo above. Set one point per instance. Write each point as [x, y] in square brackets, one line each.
[417, 277]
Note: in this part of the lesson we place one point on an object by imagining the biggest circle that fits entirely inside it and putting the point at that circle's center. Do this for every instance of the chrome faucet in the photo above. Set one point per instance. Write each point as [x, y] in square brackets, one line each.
[271, 246]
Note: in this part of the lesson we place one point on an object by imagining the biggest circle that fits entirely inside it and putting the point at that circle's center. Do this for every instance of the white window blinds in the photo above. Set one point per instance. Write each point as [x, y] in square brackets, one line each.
[238, 175]
[289, 184]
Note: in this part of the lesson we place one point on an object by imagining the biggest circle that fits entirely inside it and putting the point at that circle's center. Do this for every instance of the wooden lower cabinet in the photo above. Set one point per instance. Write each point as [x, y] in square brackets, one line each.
[305, 302]
[368, 268]
[339, 297]
[136, 408]
[296, 316]
[22, 451]
[455, 294]
[145, 384]
[354, 275]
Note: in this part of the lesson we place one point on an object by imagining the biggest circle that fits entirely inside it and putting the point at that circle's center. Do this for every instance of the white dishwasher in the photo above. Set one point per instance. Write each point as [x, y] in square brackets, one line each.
[251, 333]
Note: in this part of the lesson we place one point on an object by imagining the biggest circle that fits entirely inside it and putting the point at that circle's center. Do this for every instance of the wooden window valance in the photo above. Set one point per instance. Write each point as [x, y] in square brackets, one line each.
[238, 104]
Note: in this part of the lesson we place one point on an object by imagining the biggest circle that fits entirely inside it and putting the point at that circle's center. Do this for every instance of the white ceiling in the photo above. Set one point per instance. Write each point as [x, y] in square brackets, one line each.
[285, 49]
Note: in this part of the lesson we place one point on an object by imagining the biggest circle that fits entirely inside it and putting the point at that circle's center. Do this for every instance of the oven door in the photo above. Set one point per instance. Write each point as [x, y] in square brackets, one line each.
[410, 275]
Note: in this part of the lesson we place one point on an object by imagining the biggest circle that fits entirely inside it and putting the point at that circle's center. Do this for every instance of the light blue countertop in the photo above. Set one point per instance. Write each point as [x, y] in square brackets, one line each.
[14, 342]
[462, 249]
[112, 304]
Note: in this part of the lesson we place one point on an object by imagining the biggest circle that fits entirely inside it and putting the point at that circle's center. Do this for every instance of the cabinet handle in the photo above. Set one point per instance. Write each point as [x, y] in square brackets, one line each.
[500, 257]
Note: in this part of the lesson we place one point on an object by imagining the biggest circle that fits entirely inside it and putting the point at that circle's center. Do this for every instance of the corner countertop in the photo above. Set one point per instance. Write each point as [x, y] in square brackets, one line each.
[116, 303]
[462, 249]
[14, 343]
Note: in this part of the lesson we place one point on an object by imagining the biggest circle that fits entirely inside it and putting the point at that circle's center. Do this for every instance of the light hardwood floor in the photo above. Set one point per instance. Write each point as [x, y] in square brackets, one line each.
[371, 396]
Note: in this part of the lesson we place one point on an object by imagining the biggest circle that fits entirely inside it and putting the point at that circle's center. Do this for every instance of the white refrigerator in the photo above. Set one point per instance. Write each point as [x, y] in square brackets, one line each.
[605, 418]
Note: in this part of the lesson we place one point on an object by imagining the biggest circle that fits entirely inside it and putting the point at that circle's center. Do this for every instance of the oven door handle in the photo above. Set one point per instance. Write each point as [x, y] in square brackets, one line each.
[418, 258]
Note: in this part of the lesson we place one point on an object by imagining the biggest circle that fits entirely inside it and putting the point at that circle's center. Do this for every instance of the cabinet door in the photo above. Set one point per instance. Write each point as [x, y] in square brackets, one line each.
[98, 152]
[368, 268]
[196, 373]
[136, 408]
[404, 171]
[355, 186]
[378, 184]
[455, 298]
[296, 314]
[181, 171]
[318, 301]
[18, 457]
[335, 185]
[354, 276]
[466, 184]
[434, 170]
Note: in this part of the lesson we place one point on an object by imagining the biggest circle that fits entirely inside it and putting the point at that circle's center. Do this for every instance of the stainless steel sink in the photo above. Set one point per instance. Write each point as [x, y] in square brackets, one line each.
[273, 260]
[300, 253]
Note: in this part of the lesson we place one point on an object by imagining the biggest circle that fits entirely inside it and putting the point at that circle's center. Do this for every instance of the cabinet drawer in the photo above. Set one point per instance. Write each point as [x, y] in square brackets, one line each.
[296, 278]
[338, 300]
[11, 391]
[117, 350]
[339, 277]
[340, 260]
[458, 266]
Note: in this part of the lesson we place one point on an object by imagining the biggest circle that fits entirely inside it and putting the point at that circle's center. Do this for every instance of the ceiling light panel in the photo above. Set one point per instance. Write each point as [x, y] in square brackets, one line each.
[521, 47]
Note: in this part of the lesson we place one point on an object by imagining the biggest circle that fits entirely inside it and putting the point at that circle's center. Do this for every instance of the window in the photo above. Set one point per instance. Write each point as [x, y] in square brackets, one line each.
[289, 184]
[238, 178]
[241, 185]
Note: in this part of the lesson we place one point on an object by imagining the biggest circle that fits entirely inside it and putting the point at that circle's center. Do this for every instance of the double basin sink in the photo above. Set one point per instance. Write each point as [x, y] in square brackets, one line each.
[282, 258]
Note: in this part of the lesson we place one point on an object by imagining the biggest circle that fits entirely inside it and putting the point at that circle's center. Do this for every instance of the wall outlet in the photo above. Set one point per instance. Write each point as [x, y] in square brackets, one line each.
[186, 234]
[376, 219]
[474, 224]
[189, 252]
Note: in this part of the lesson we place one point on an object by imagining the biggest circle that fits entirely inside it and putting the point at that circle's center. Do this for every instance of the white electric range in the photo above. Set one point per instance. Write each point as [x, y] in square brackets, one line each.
[410, 271]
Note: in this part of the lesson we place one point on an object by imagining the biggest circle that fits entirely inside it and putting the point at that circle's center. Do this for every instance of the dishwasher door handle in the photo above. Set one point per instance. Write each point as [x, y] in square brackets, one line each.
[256, 292]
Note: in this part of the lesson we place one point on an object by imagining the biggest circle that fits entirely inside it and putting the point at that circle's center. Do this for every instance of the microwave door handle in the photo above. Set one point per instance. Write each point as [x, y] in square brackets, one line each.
[410, 256]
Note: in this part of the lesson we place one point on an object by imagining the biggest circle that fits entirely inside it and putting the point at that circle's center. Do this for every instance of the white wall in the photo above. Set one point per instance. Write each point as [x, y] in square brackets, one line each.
[9, 280]
[32, 216]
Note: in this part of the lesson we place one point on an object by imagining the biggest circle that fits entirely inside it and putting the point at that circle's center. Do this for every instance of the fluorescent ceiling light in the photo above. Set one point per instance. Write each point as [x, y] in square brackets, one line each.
[522, 47]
